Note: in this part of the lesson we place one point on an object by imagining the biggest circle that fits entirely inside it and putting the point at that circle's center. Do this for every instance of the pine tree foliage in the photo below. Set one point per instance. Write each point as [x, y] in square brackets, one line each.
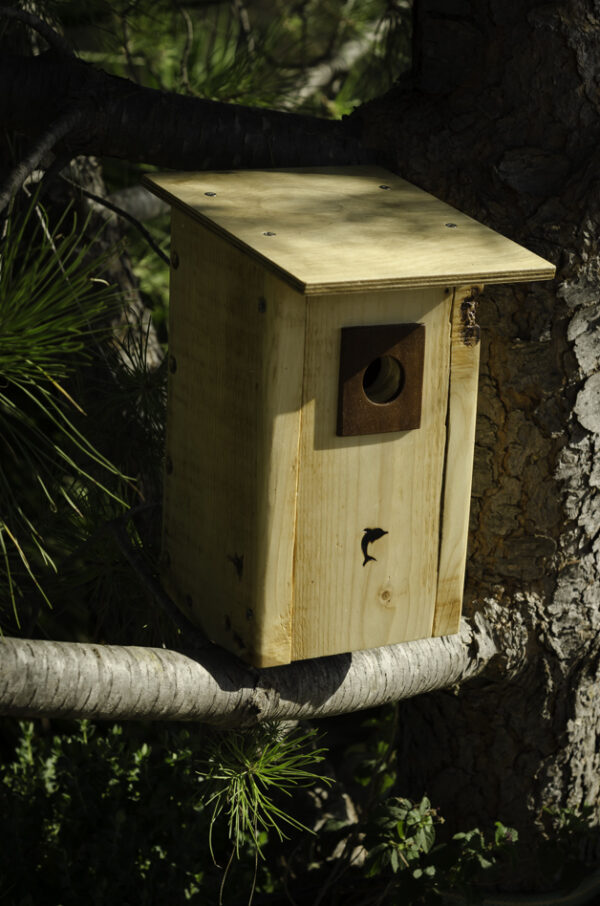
[53, 311]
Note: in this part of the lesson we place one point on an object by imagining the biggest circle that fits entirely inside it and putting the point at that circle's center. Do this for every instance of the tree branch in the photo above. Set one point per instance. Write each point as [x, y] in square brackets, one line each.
[57, 131]
[125, 120]
[320, 75]
[111, 206]
[52, 37]
[68, 679]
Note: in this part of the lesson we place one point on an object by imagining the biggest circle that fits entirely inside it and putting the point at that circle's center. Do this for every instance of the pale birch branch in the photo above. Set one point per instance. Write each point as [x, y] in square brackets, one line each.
[110, 682]
[321, 75]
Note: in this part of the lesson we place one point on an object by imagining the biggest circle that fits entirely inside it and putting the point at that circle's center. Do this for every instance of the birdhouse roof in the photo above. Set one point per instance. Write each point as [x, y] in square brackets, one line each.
[338, 229]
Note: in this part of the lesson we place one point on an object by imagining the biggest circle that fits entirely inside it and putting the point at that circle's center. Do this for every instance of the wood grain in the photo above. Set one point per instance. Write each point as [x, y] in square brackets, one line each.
[387, 481]
[236, 347]
[332, 229]
[460, 445]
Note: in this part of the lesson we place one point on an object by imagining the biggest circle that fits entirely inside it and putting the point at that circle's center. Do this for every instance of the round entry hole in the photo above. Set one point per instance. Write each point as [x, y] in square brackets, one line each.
[383, 379]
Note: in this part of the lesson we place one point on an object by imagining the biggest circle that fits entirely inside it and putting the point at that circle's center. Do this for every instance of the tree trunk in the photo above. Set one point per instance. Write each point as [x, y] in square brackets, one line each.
[500, 118]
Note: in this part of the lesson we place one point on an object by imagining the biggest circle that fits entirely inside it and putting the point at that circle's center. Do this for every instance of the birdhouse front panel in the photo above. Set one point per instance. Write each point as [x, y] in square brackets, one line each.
[368, 504]
[323, 358]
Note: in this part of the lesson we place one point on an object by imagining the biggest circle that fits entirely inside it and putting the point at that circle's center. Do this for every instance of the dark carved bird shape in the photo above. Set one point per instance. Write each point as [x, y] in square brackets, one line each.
[370, 535]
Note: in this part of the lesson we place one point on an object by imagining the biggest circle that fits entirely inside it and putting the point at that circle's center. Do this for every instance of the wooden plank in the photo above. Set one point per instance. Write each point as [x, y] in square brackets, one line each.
[236, 347]
[392, 482]
[462, 413]
[327, 229]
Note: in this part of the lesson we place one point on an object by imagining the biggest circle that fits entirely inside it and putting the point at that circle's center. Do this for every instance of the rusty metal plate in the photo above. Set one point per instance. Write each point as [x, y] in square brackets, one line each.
[381, 379]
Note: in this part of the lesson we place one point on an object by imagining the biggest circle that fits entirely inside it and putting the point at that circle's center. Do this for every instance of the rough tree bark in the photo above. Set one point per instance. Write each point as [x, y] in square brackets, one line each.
[500, 117]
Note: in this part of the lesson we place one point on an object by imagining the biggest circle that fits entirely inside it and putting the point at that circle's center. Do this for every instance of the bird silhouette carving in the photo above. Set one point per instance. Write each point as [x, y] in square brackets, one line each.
[369, 536]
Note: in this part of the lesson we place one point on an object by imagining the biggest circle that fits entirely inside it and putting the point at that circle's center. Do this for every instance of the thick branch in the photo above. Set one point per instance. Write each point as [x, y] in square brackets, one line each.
[49, 34]
[66, 679]
[122, 119]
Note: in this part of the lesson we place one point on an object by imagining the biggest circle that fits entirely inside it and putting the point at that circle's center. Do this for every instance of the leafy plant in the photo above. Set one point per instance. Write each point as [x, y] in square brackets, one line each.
[400, 842]
[399, 833]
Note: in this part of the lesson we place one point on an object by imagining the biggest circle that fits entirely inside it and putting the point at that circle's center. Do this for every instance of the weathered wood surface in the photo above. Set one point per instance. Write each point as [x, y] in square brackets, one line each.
[112, 682]
[333, 229]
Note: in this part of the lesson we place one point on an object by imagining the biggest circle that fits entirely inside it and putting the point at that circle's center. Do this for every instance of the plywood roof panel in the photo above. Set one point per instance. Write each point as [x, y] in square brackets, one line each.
[350, 228]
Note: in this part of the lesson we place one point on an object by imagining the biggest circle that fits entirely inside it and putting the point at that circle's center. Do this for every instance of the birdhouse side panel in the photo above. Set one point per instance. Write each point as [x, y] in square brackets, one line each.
[368, 513]
[236, 348]
[462, 415]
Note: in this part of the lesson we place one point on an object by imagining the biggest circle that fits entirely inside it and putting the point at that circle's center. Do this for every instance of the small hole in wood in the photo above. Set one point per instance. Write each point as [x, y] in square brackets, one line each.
[383, 379]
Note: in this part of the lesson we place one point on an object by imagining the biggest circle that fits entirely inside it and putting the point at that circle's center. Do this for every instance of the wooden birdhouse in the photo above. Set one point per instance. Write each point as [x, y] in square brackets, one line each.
[321, 406]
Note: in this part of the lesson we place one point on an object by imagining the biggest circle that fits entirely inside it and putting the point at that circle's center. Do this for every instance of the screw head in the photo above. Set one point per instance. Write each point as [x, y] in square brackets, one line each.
[210, 194]
[269, 233]
[174, 260]
[385, 187]
[451, 226]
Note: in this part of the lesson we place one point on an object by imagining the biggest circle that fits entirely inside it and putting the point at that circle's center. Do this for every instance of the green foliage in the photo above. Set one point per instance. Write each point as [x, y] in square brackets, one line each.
[248, 771]
[256, 53]
[100, 815]
[398, 833]
[401, 849]
[53, 305]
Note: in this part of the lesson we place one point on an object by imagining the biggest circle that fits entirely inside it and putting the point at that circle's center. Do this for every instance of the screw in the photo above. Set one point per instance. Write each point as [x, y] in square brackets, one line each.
[451, 226]
[172, 364]
[168, 465]
[385, 187]
[210, 194]
[174, 260]
[268, 233]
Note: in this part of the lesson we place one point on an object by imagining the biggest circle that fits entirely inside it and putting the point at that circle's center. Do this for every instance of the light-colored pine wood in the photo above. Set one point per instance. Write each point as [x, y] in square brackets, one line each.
[346, 484]
[336, 230]
[460, 445]
[236, 341]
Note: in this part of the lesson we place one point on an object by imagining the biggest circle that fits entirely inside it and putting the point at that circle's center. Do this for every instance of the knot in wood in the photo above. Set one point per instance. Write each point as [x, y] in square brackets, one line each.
[471, 332]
